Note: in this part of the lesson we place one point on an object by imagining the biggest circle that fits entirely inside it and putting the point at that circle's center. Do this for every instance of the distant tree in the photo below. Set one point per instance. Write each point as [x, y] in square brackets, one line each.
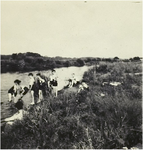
[13, 67]
[58, 62]
[28, 60]
[33, 54]
[5, 57]
[67, 64]
[127, 60]
[52, 64]
[88, 60]
[94, 59]
[20, 56]
[136, 59]
[80, 62]
[40, 61]
[108, 59]
[21, 64]
[116, 58]
[14, 56]
[98, 59]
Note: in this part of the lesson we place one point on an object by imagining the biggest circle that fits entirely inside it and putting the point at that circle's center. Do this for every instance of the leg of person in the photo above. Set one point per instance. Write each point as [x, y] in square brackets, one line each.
[17, 97]
[74, 82]
[10, 93]
[40, 96]
[70, 85]
[55, 91]
[32, 97]
[52, 91]
[9, 97]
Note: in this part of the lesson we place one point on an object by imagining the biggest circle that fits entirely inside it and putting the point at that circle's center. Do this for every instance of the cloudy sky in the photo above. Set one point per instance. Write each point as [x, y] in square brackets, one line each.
[72, 29]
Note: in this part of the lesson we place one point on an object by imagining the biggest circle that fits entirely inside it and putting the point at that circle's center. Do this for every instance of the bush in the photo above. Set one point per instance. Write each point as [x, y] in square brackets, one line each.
[85, 120]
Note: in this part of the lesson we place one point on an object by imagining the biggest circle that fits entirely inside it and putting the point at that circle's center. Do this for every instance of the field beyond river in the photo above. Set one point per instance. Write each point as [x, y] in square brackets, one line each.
[108, 116]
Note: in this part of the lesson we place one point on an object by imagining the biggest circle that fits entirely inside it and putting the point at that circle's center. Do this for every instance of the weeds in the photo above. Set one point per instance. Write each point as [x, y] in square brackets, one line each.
[86, 120]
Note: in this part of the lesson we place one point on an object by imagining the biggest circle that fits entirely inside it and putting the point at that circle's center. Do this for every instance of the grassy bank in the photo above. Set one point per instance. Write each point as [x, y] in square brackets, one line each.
[87, 120]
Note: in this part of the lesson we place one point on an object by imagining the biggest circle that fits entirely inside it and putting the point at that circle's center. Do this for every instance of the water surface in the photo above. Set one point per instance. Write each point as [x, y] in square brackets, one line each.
[7, 81]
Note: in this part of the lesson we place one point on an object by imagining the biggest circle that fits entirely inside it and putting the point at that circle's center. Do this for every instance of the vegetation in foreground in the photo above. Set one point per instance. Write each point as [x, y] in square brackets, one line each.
[87, 120]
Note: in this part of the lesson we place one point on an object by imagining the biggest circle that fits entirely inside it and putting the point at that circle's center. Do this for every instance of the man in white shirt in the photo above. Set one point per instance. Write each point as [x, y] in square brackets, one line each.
[53, 83]
[31, 87]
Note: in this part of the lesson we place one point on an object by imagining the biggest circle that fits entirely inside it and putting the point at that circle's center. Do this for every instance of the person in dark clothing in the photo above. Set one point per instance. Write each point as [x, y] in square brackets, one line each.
[41, 86]
[83, 86]
[53, 83]
[17, 91]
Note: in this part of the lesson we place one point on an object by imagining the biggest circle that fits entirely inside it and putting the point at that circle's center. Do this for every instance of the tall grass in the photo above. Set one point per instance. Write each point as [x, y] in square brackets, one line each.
[85, 120]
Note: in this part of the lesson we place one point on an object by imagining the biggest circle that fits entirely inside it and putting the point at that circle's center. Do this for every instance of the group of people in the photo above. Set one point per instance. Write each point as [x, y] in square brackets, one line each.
[36, 84]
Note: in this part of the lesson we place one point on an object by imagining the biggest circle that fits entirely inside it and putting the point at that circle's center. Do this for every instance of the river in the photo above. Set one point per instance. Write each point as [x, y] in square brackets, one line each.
[8, 78]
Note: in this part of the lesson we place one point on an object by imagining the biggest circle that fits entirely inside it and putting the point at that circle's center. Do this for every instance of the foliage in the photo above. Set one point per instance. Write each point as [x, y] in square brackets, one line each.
[85, 120]
[34, 61]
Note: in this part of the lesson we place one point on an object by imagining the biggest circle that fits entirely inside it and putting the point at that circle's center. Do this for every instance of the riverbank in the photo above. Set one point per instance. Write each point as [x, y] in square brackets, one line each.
[7, 81]
[88, 120]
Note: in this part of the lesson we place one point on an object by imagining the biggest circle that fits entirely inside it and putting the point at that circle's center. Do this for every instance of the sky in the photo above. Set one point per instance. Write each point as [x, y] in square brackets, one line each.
[72, 29]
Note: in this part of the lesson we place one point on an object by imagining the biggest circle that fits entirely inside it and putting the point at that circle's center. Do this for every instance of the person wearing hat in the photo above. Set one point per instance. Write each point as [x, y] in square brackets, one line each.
[17, 91]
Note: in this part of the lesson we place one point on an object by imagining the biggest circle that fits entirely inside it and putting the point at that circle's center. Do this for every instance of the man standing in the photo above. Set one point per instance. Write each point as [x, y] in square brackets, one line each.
[53, 83]
[31, 87]
[41, 85]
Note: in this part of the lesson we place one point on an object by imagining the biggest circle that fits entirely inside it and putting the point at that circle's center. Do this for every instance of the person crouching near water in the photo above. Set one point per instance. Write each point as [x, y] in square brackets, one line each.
[17, 116]
[31, 87]
[82, 92]
[41, 86]
[72, 81]
[53, 83]
[17, 91]
[83, 86]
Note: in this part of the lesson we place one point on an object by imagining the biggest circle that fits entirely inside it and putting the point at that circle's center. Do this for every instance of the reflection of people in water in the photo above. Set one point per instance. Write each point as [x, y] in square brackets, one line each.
[53, 83]
[31, 87]
[83, 87]
[17, 91]
[41, 85]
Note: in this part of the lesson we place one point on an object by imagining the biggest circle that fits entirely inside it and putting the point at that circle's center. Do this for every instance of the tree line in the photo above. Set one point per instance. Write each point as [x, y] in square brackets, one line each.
[23, 62]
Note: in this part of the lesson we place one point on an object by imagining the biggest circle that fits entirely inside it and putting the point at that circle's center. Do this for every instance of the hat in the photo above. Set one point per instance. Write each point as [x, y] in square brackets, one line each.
[17, 81]
[30, 74]
[38, 74]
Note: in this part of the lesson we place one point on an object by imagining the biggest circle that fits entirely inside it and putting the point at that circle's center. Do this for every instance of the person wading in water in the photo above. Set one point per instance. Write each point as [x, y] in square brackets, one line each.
[17, 91]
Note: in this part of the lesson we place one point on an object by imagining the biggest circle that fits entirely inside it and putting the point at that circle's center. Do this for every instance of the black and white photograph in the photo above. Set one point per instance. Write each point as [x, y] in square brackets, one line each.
[71, 74]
